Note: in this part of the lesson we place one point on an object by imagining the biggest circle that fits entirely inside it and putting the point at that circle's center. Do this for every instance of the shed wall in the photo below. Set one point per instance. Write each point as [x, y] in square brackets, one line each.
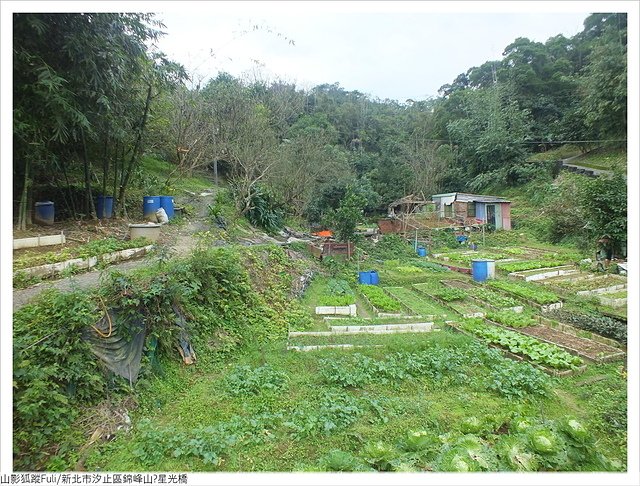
[506, 216]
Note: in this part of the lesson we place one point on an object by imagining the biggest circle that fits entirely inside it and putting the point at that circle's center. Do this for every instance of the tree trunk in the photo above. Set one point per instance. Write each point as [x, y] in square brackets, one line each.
[23, 208]
[136, 150]
[72, 198]
[105, 164]
[88, 204]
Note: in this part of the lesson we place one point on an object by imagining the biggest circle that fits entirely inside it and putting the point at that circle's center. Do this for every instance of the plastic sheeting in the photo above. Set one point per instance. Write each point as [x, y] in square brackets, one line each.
[119, 345]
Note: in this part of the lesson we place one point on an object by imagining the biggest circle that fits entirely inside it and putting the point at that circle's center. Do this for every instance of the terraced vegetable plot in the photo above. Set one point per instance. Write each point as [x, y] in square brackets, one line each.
[548, 355]
[591, 349]
[529, 265]
[526, 291]
[419, 304]
[591, 283]
[379, 299]
[512, 319]
[485, 295]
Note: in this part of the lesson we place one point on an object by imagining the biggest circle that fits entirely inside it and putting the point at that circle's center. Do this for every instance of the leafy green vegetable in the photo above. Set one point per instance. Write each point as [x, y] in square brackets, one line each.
[605, 326]
[379, 299]
[337, 460]
[337, 293]
[380, 455]
[544, 441]
[537, 351]
[514, 453]
[511, 319]
[470, 425]
[526, 291]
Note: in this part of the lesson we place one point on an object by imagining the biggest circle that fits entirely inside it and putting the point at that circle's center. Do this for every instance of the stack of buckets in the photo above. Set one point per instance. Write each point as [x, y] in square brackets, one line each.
[369, 278]
[104, 207]
[150, 204]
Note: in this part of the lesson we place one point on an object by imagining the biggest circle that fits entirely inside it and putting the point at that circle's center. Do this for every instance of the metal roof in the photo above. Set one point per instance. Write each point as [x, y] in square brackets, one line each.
[464, 197]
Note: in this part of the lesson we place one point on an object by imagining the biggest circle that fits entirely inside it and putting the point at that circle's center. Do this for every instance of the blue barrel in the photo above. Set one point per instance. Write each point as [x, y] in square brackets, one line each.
[422, 251]
[481, 270]
[45, 212]
[375, 279]
[104, 207]
[150, 204]
[166, 203]
[364, 278]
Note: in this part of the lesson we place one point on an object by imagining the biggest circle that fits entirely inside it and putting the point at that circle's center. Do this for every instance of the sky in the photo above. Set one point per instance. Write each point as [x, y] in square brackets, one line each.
[388, 50]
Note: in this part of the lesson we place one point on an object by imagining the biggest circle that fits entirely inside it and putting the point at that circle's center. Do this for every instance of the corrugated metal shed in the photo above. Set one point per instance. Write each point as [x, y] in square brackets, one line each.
[464, 197]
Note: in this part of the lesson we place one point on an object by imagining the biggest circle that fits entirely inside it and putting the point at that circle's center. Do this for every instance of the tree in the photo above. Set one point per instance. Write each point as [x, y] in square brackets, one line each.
[81, 93]
[490, 138]
[604, 203]
[348, 215]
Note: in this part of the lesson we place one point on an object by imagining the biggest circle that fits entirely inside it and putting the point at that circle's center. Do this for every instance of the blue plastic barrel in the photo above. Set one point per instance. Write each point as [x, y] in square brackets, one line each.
[481, 270]
[150, 204]
[364, 278]
[104, 207]
[374, 278]
[166, 203]
[45, 212]
[422, 251]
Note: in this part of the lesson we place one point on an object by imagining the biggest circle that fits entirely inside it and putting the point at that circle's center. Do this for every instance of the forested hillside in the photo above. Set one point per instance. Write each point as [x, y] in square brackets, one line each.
[91, 97]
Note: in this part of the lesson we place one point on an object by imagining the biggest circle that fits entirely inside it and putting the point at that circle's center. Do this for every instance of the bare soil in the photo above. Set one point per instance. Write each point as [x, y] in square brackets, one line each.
[589, 348]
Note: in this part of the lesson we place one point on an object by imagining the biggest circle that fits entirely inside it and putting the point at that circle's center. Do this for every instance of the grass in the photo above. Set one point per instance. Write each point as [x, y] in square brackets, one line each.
[603, 159]
[562, 152]
[381, 411]
[157, 171]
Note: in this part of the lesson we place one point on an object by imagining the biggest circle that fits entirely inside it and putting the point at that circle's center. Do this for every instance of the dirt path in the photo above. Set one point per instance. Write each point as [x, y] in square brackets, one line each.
[576, 167]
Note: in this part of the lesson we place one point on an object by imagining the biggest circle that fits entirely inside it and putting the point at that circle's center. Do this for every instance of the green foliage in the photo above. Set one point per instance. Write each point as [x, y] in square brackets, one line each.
[448, 294]
[537, 351]
[264, 211]
[518, 380]
[336, 412]
[244, 380]
[348, 215]
[512, 319]
[419, 304]
[526, 291]
[337, 292]
[389, 247]
[605, 326]
[467, 454]
[379, 299]
[380, 455]
[54, 372]
[337, 460]
[530, 265]
[209, 444]
[515, 455]
[604, 202]
[433, 267]
[493, 298]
